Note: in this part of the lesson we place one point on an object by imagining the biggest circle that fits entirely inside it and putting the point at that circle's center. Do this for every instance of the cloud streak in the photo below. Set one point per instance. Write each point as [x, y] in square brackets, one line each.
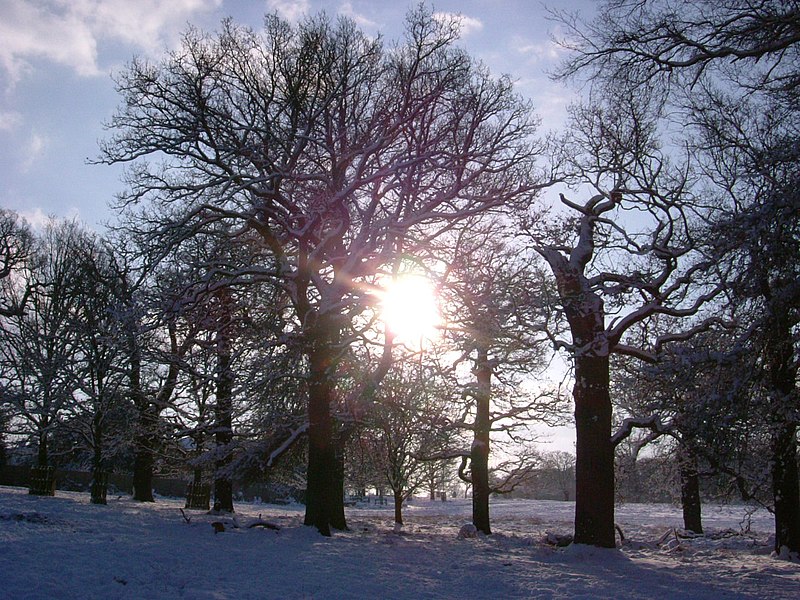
[291, 10]
[34, 149]
[467, 25]
[68, 32]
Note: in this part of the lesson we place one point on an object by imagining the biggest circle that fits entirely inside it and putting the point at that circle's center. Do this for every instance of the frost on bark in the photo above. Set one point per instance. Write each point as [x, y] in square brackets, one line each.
[594, 452]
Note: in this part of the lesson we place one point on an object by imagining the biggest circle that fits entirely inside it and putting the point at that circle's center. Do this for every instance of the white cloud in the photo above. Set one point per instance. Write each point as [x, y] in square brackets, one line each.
[49, 31]
[34, 149]
[67, 32]
[35, 217]
[468, 25]
[291, 10]
[346, 9]
[9, 120]
[537, 51]
[149, 24]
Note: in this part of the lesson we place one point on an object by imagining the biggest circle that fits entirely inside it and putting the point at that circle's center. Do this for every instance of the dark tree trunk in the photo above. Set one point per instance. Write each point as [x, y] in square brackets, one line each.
[786, 488]
[338, 520]
[690, 489]
[594, 463]
[398, 506]
[97, 439]
[479, 453]
[99, 485]
[594, 460]
[41, 455]
[199, 445]
[322, 488]
[223, 436]
[145, 434]
[144, 460]
[782, 376]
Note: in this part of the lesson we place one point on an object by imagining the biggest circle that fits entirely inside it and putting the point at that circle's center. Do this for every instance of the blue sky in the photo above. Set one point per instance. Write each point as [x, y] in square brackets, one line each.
[58, 57]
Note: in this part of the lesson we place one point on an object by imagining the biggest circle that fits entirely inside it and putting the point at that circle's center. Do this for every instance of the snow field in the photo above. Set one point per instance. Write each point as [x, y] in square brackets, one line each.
[66, 548]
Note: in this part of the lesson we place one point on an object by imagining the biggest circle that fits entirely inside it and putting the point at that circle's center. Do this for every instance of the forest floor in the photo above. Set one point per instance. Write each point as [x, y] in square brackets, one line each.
[64, 547]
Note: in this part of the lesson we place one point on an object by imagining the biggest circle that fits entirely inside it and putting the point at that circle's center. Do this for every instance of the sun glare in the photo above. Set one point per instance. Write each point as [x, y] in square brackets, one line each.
[409, 309]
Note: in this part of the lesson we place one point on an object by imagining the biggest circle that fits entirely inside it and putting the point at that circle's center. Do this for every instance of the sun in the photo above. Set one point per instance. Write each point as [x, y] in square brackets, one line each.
[409, 309]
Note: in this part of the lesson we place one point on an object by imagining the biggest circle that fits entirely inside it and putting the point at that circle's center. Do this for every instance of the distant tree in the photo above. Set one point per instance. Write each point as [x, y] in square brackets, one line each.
[496, 323]
[16, 246]
[339, 154]
[403, 428]
[561, 465]
[39, 346]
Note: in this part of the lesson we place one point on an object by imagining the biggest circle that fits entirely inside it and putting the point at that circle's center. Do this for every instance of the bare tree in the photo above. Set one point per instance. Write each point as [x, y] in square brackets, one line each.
[746, 138]
[623, 257]
[16, 245]
[403, 429]
[560, 466]
[99, 416]
[751, 155]
[754, 44]
[496, 324]
[337, 153]
[39, 347]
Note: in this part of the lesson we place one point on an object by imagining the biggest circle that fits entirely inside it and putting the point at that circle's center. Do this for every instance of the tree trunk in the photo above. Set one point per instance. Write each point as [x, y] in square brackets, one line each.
[144, 460]
[782, 375]
[338, 520]
[690, 489]
[97, 445]
[322, 487]
[786, 488]
[398, 506]
[594, 464]
[479, 453]
[594, 460]
[41, 455]
[99, 485]
[145, 435]
[223, 436]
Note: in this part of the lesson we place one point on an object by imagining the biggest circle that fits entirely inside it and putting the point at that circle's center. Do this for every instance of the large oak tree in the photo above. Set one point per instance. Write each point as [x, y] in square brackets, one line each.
[337, 151]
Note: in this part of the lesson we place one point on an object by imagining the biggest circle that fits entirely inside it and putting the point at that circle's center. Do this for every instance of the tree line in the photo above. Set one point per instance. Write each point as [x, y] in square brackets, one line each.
[278, 180]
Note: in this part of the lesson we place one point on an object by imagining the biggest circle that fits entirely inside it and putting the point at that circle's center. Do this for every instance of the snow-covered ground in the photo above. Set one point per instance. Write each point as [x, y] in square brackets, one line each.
[64, 547]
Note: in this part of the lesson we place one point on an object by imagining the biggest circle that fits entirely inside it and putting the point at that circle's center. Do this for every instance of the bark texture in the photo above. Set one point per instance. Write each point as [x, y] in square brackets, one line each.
[690, 490]
[479, 453]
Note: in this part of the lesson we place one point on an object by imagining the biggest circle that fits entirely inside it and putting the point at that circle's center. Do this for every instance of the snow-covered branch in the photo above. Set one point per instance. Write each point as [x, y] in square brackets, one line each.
[653, 423]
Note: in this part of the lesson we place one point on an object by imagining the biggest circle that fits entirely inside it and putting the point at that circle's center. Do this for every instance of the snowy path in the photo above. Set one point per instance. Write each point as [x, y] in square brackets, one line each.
[65, 548]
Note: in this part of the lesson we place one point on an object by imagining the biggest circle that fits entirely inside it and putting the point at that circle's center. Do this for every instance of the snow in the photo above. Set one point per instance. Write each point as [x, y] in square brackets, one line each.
[64, 547]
